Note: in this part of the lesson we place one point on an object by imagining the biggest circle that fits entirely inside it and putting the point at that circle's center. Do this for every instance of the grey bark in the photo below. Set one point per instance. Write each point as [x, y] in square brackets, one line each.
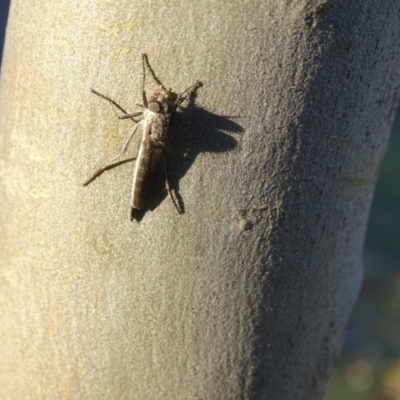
[245, 296]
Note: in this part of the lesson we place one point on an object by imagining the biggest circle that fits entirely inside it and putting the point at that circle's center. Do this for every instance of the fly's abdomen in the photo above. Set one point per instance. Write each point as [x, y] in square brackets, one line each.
[146, 174]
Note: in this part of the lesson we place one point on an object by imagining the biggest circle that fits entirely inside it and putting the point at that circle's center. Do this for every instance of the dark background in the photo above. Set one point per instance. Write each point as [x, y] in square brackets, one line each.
[4, 5]
[370, 365]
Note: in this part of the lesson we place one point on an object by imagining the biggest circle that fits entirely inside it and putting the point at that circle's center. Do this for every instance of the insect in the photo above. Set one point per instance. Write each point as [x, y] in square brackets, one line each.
[155, 121]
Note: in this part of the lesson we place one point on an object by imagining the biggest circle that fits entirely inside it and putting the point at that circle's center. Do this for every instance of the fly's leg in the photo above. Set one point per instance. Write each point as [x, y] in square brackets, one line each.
[179, 208]
[188, 92]
[114, 103]
[112, 161]
[144, 61]
[153, 74]
[130, 116]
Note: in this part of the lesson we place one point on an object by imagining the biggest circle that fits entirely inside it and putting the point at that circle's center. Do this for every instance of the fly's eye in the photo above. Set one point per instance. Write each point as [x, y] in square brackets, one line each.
[154, 107]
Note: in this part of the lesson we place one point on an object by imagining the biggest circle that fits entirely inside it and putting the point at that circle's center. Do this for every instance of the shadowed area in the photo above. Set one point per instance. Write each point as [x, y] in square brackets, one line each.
[195, 131]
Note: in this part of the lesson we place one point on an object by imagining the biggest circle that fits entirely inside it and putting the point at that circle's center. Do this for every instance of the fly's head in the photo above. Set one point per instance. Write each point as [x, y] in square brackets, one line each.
[157, 119]
[166, 98]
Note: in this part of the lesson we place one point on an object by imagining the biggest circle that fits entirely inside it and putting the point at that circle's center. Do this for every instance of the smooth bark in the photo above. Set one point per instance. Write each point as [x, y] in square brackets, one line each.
[245, 296]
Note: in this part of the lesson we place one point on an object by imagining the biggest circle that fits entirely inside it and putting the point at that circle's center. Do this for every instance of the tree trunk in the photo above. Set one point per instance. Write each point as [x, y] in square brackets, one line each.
[245, 296]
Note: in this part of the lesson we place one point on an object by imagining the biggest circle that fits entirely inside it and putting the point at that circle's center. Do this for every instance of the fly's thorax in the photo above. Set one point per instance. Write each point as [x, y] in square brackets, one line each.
[155, 124]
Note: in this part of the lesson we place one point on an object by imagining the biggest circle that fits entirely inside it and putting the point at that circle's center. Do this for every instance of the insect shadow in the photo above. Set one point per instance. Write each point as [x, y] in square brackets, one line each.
[195, 131]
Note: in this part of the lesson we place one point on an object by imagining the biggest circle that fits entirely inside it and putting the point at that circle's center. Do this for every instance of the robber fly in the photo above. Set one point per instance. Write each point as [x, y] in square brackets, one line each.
[158, 110]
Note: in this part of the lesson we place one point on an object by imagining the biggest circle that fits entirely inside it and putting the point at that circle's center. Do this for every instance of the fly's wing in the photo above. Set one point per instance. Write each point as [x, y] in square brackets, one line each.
[145, 179]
